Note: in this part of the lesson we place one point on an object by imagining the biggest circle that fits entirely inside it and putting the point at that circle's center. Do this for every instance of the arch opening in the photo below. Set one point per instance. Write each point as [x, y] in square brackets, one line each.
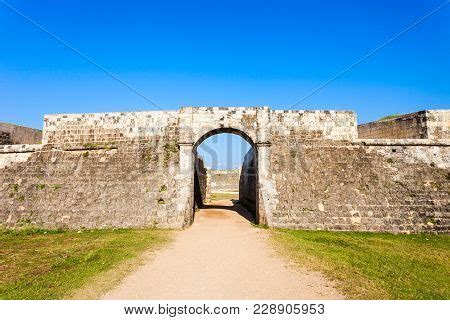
[225, 172]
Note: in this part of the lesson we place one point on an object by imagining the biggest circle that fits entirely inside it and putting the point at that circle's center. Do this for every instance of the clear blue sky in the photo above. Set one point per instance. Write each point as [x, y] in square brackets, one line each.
[229, 53]
[223, 151]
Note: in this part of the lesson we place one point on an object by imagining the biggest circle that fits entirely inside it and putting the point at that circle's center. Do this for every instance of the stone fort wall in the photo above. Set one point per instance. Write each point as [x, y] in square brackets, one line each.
[136, 170]
[224, 180]
[63, 129]
[361, 186]
[93, 172]
[19, 134]
[5, 138]
[125, 185]
[201, 183]
[248, 182]
[68, 129]
[428, 124]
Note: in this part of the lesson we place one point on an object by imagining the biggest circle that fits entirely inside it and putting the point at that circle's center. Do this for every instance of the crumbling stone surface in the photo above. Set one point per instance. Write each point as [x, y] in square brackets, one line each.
[438, 124]
[5, 138]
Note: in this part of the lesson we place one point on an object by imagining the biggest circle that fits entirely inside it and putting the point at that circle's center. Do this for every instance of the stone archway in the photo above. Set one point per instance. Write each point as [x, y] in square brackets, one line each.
[197, 124]
[248, 182]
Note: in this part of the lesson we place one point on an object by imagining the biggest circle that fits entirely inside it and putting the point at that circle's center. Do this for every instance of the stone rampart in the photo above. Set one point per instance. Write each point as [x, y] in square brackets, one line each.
[394, 187]
[429, 124]
[128, 185]
[311, 172]
[20, 134]
[224, 180]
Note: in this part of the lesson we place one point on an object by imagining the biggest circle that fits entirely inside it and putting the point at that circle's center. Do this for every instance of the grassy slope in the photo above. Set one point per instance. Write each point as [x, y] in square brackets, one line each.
[38, 264]
[374, 265]
[392, 116]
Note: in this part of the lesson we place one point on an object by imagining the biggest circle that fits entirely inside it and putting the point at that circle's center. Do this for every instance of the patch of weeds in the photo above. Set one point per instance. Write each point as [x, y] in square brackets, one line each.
[90, 146]
[30, 231]
[390, 160]
[56, 187]
[163, 188]
[109, 146]
[40, 186]
[392, 116]
[260, 226]
[147, 155]
[25, 221]
[161, 201]
[14, 188]
[85, 154]
[429, 220]
[21, 197]
[169, 149]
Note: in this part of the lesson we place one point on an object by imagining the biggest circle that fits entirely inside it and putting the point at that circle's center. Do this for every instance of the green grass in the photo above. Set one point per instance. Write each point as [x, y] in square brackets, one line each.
[224, 196]
[40, 264]
[374, 265]
[392, 116]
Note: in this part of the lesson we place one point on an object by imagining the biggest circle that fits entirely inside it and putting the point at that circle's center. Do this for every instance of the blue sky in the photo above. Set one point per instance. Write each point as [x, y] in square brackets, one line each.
[243, 53]
[223, 151]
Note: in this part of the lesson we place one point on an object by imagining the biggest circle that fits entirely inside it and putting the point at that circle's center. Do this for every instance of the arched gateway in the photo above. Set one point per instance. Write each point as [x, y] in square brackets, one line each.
[252, 124]
[248, 180]
[136, 169]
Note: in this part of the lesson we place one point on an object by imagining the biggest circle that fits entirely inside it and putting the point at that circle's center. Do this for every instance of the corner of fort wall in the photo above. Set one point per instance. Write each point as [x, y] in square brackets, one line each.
[19, 134]
[427, 124]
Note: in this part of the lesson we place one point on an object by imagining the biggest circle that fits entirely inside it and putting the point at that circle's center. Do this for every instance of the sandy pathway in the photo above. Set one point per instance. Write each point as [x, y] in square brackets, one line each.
[221, 256]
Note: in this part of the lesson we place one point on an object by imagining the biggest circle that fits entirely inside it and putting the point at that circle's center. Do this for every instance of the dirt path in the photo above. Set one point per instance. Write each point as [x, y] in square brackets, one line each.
[221, 256]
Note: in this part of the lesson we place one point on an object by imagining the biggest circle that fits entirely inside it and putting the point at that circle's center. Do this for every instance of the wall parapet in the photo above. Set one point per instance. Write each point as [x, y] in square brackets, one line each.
[315, 124]
[192, 123]
[20, 148]
[108, 127]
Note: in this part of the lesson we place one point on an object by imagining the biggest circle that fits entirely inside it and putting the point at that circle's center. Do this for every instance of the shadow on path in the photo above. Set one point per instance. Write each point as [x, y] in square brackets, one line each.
[234, 206]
